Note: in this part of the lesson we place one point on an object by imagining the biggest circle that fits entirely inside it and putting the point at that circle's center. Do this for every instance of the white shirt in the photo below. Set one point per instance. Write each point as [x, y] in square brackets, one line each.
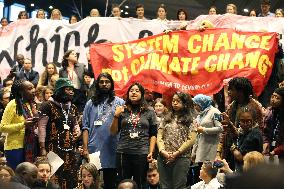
[213, 184]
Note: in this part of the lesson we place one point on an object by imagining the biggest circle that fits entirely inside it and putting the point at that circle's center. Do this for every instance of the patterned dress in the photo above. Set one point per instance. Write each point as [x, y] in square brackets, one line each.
[62, 141]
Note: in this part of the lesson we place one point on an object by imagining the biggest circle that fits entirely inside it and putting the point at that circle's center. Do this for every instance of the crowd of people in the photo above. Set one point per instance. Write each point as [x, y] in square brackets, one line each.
[145, 139]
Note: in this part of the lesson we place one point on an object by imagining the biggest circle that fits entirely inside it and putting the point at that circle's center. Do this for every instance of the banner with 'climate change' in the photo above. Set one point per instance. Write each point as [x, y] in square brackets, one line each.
[190, 61]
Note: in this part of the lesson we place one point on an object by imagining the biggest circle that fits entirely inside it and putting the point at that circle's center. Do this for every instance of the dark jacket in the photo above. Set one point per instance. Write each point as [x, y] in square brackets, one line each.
[18, 183]
[268, 131]
[48, 185]
[33, 76]
[79, 70]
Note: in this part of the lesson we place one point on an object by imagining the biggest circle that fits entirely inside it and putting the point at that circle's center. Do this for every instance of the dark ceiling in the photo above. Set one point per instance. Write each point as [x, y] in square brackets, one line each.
[194, 7]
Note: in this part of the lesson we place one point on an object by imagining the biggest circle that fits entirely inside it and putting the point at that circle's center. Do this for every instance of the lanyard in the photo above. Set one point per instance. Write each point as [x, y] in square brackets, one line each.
[134, 119]
[65, 113]
[276, 129]
[103, 111]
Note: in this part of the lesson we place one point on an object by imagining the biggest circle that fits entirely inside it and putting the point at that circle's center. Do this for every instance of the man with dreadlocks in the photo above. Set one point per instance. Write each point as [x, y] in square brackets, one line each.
[59, 131]
[18, 122]
[97, 118]
[240, 91]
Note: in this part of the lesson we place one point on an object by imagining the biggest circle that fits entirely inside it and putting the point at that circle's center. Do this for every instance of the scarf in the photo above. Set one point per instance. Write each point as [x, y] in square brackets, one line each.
[202, 101]
[30, 141]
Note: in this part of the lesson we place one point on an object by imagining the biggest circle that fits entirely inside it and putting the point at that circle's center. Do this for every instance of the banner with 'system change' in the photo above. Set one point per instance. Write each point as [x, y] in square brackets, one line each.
[190, 61]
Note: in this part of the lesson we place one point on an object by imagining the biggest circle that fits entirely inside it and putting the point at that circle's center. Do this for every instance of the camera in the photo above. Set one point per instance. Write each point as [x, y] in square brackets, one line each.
[218, 164]
[218, 117]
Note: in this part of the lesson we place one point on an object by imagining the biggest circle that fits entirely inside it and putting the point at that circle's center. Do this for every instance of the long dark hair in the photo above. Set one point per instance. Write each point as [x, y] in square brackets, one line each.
[98, 97]
[185, 116]
[280, 110]
[184, 11]
[241, 84]
[64, 62]
[143, 104]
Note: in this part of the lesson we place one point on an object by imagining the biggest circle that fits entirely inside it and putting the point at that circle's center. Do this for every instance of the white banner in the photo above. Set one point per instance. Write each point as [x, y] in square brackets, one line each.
[242, 23]
[46, 40]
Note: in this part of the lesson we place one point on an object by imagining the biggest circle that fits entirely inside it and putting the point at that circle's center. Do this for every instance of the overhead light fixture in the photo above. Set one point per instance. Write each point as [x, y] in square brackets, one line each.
[246, 10]
[32, 4]
[126, 13]
[50, 7]
[121, 10]
[126, 6]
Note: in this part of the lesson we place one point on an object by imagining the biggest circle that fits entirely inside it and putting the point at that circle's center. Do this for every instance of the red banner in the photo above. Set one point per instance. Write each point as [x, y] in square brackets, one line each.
[191, 61]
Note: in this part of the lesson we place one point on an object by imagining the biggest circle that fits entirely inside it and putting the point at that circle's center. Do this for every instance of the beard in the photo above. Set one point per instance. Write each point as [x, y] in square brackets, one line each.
[104, 91]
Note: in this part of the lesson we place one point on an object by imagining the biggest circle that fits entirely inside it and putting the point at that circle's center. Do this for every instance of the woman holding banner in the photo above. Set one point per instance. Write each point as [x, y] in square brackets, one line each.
[138, 129]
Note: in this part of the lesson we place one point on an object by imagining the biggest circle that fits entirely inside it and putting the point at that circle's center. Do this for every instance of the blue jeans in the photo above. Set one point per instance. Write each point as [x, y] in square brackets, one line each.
[15, 157]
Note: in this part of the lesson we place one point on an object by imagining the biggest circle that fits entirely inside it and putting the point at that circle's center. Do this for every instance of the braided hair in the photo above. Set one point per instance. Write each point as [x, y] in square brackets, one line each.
[16, 94]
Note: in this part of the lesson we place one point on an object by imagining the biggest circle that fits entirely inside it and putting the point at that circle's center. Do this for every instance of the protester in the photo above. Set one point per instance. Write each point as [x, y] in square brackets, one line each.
[160, 109]
[23, 15]
[59, 132]
[94, 13]
[208, 124]
[73, 19]
[207, 174]
[162, 13]
[89, 87]
[240, 92]
[47, 92]
[4, 22]
[249, 136]
[8, 82]
[25, 176]
[4, 100]
[265, 9]
[17, 67]
[27, 73]
[127, 184]
[49, 75]
[182, 15]
[97, 119]
[40, 14]
[176, 136]
[43, 175]
[6, 173]
[231, 9]
[140, 11]
[89, 177]
[55, 14]
[74, 71]
[209, 127]
[39, 95]
[153, 179]
[115, 10]
[252, 13]
[273, 132]
[212, 10]
[279, 13]
[18, 121]
[137, 128]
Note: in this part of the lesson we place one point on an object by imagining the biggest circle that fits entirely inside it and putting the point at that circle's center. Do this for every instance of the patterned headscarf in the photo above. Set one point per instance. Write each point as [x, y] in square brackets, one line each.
[203, 101]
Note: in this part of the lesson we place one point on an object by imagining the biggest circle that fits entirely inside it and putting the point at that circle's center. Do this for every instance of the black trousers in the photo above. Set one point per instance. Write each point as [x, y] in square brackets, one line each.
[132, 165]
[110, 178]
